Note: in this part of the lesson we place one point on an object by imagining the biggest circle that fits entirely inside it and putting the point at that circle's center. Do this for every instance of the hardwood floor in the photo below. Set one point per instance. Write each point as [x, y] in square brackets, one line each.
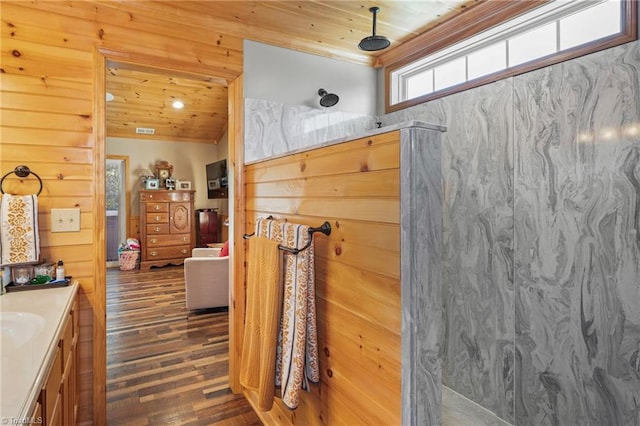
[166, 366]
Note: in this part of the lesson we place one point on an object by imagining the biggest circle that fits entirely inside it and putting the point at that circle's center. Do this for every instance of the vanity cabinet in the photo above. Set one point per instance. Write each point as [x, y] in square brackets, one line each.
[57, 404]
[167, 231]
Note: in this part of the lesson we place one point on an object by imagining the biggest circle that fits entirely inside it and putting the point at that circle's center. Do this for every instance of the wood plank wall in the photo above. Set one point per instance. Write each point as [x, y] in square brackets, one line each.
[47, 122]
[355, 186]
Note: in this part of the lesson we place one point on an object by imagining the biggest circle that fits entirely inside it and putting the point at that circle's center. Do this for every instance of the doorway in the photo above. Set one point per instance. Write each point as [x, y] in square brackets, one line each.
[235, 108]
[116, 206]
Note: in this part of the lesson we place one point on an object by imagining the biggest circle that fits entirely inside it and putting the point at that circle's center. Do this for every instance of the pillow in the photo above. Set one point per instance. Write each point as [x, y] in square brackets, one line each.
[225, 249]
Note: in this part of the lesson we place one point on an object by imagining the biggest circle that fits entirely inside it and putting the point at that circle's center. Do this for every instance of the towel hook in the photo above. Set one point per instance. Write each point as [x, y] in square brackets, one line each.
[22, 172]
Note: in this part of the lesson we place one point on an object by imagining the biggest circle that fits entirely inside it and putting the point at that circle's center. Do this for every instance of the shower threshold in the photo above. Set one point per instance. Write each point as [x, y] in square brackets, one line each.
[460, 411]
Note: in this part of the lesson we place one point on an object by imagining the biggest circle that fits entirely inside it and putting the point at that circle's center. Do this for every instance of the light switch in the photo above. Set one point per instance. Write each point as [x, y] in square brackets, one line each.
[65, 220]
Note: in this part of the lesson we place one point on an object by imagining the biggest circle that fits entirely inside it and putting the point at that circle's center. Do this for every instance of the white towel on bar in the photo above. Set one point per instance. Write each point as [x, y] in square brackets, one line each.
[19, 235]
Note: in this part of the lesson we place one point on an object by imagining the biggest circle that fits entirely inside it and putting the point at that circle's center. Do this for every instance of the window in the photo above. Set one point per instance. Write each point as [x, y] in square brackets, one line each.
[558, 31]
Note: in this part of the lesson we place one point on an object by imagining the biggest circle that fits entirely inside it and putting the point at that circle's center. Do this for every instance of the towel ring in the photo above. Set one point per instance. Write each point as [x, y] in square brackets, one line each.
[22, 172]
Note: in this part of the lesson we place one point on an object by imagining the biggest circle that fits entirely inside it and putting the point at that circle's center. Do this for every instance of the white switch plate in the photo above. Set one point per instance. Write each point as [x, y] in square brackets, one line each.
[65, 220]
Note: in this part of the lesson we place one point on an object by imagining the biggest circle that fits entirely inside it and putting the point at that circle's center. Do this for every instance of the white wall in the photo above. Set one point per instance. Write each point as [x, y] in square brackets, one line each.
[188, 159]
[293, 78]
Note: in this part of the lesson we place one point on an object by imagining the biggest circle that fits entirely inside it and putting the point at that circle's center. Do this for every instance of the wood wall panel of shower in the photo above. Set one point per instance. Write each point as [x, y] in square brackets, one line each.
[355, 186]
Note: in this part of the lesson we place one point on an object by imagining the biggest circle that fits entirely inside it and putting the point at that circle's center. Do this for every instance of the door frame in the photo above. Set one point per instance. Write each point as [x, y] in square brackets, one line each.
[102, 57]
[127, 191]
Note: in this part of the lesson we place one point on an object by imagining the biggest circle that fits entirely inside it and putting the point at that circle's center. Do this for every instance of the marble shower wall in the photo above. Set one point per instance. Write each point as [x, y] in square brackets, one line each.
[577, 215]
[541, 241]
[477, 264]
[273, 129]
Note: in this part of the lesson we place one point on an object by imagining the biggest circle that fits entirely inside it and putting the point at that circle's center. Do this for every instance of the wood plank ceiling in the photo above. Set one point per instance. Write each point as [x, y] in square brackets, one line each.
[144, 100]
[327, 28]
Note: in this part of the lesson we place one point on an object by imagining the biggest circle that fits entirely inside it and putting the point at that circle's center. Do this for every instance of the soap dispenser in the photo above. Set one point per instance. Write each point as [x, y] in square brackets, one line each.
[60, 271]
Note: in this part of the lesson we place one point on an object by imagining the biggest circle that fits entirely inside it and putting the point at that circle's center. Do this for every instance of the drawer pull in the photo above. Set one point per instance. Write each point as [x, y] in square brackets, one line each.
[157, 207]
[184, 251]
[157, 229]
[154, 240]
[184, 239]
[150, 195]
[153, 253]
[157, 218]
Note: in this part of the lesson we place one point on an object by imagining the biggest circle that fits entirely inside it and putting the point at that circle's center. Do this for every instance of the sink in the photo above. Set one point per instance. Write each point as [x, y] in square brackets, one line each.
[18, 328]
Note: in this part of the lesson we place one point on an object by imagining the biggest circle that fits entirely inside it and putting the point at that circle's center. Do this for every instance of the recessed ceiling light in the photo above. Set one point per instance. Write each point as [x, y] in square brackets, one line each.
[178, 104]
[109, 97]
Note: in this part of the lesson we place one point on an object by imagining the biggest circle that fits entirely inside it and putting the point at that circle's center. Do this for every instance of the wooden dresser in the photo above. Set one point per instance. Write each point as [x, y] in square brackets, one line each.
[167, 231]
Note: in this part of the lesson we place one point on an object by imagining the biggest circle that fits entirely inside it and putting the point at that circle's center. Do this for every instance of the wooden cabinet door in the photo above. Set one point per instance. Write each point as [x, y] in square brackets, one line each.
[180, 218]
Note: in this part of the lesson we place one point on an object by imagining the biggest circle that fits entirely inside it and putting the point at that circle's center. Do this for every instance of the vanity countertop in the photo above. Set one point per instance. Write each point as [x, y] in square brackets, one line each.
[32, 322]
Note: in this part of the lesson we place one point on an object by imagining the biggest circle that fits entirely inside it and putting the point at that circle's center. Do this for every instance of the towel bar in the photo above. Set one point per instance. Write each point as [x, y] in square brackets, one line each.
[325, 228]
[22, 172]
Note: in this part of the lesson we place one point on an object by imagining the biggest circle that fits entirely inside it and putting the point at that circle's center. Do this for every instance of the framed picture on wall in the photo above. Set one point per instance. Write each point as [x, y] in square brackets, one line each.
[184, 184]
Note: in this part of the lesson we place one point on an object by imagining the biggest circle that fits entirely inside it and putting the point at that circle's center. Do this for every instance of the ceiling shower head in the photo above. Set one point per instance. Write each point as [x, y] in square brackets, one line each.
[327, 99]
[374, 42]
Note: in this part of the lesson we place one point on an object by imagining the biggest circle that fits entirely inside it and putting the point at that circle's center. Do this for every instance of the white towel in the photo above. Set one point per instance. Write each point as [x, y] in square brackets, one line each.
[19, 236]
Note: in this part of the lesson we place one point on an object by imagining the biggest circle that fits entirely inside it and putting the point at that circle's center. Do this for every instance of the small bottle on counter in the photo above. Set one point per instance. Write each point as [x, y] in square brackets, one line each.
[60, 271]
[6, 276]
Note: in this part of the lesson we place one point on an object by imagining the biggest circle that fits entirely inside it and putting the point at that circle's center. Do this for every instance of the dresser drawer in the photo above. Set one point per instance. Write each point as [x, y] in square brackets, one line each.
[157, 207]
[159, 228]
[161, 195]
[167, 240]
[159, 253]
[157, 218]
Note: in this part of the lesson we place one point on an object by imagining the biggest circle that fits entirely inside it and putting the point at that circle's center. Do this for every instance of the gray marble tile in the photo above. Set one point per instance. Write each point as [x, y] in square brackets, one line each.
[477, 258]
[421, 246]
[478, 247]
[273, 129]
[577, 259]
[561, 271]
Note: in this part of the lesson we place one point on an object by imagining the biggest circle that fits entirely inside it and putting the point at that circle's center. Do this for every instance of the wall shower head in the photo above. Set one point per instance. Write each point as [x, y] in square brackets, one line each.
[374, 42]
[327, 99]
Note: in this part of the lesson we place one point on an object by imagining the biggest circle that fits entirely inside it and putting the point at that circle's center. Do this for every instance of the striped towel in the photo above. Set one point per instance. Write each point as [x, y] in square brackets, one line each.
[297, 356]
[19, 236]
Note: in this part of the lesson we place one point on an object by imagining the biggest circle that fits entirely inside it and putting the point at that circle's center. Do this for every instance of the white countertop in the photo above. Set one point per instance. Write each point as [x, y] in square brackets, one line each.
[25, 364]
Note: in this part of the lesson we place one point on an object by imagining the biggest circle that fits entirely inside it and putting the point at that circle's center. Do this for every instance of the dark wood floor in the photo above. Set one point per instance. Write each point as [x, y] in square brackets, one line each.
[166, 366]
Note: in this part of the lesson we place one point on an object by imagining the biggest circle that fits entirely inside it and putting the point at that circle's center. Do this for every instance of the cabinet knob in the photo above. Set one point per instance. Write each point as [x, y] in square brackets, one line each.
[157, 229]
[153, 253]
[157, 207]
[150, 195]
[184, 239]
[154, 240]
[184, 251]
[157, 218]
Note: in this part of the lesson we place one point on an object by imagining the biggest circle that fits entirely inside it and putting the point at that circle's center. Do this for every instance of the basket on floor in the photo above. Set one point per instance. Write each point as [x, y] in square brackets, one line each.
[129, 259]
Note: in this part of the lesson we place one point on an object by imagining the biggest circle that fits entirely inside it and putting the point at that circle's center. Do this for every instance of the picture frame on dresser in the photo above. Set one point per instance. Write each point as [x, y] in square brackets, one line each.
[183, 184]
[152, 184]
